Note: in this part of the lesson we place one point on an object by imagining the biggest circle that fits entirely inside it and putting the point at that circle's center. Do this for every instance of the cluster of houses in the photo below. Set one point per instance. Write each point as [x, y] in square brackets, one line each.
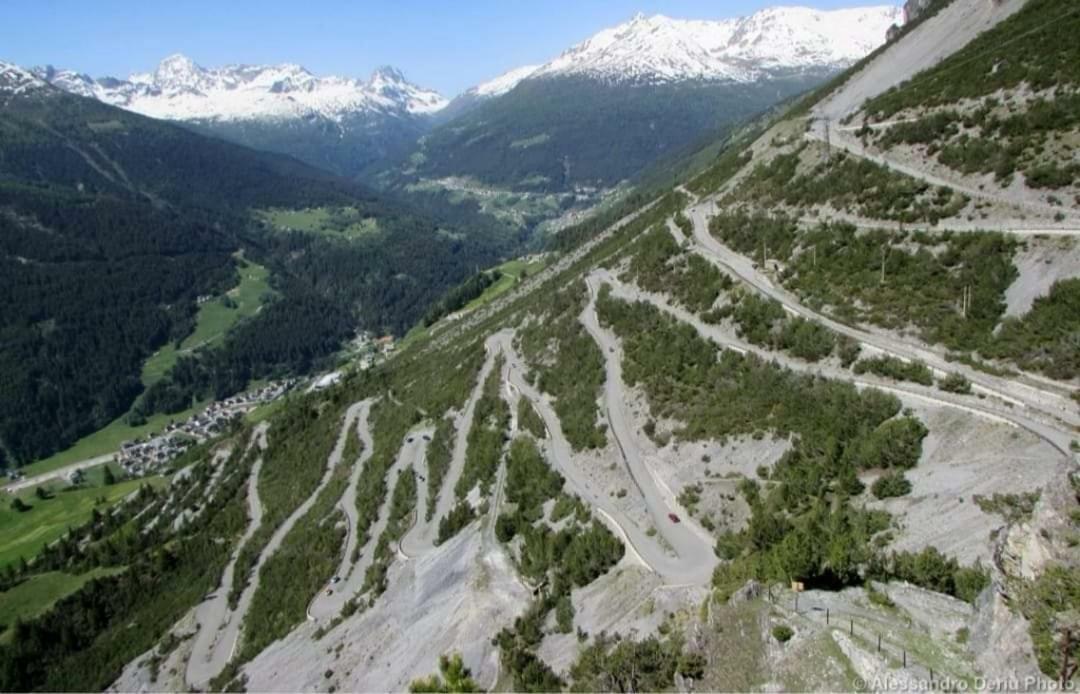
[369, 350]
[140, 456]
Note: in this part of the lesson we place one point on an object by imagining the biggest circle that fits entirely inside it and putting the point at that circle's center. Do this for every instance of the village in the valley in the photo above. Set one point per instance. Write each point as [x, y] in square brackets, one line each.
[139, 456]
[147, 455]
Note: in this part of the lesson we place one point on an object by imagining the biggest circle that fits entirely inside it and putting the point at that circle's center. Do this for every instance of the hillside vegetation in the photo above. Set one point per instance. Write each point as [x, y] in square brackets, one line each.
[1006, 103]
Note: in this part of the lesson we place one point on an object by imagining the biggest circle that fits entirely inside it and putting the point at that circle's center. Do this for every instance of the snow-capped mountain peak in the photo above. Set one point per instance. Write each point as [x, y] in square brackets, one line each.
[387, 73]
[389, 83]
[181, 89]
[16, 80]
[653, 49]
[179, 72]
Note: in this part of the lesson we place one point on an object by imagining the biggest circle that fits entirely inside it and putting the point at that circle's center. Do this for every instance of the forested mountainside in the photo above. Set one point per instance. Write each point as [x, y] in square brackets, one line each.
[807, 420]
[114, 224]
[555, 135]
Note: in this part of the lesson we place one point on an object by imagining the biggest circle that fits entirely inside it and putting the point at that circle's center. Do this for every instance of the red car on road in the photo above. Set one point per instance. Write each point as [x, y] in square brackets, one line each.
[673, 517]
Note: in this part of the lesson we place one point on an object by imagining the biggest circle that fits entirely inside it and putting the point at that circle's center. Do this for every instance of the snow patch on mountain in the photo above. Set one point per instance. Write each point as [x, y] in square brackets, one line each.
[504, 82]
[180, 89]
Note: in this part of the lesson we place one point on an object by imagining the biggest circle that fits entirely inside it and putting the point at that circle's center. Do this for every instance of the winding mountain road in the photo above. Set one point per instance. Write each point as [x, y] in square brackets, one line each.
[347, 504]
[693, 559]
[904, 390]
[447, 497]
[417, 540]
[204, 666]
[201, 665]
[330, 601]
[1049, 401]
[841, 138]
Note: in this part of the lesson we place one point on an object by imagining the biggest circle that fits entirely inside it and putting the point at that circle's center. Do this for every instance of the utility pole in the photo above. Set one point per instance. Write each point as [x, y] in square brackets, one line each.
[884, 252]
[828, 141]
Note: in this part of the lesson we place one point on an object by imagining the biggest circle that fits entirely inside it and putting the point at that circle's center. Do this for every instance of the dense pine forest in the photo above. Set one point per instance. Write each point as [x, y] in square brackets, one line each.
[111, 227]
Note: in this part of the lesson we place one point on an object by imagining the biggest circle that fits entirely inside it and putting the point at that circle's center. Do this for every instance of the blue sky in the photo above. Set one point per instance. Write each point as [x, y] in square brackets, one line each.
[448, 44]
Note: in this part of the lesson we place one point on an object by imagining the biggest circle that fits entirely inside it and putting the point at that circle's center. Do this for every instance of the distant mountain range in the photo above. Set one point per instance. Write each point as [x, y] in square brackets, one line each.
[745, 49]
[179, 89]
[336, 123]
[661, 49]
[596, 114]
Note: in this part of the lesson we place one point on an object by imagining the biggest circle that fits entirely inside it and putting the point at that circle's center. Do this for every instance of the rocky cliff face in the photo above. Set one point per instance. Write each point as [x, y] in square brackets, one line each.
[1001, 635]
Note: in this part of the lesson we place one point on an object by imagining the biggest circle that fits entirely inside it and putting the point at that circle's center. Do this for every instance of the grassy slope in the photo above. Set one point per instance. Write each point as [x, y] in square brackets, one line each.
[25, 534]
[107, 440]
[214, 319]
[40, 592]
[347, 225]
[511, 271]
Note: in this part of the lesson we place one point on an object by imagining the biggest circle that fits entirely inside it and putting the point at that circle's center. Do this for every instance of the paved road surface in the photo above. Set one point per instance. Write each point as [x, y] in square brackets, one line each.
[417, 540]
[58, 473]
[844, 140]
[909, 391]
[447, 498]
[346, 569]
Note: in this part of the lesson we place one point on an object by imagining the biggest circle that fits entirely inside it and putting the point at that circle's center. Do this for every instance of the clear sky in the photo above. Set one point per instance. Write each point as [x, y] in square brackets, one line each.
[449, 45]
